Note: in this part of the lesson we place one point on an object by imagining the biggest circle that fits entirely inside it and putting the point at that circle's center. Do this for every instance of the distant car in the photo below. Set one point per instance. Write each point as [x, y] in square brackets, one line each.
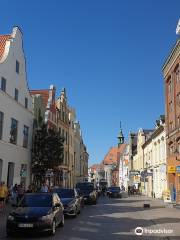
[36, 212]
[70, 199]
[88, 192]
[114, 192]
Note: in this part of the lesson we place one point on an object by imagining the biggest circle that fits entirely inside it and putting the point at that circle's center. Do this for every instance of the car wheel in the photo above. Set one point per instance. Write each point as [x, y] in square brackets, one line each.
[62, 222]
[53, 228]
[75, 213]
[79, 211]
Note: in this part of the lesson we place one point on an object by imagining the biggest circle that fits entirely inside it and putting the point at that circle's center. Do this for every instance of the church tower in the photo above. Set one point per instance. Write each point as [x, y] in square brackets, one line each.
[120, 137]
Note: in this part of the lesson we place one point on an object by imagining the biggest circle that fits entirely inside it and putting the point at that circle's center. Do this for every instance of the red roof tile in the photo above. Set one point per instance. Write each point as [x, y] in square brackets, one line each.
[112, 157]
[43, 93]
[3, 39]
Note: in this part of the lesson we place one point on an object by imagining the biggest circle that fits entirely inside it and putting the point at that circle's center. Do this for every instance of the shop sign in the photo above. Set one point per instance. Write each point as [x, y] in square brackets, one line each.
[133, 173]
[178, 169]
[171, 169]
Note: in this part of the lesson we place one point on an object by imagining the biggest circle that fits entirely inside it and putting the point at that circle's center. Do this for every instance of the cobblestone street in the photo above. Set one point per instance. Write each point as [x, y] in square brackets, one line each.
[116, 219]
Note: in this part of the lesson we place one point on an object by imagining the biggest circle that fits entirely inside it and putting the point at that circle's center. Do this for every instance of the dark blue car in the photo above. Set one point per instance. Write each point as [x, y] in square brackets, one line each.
[36, 212]
[70, 199]
[114, 192]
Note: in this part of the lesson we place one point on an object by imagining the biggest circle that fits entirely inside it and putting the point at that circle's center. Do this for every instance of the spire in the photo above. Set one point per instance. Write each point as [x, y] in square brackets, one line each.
[120, 137]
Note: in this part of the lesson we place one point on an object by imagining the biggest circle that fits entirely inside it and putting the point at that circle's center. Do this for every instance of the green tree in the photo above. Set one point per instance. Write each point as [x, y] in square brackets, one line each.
[47, 153]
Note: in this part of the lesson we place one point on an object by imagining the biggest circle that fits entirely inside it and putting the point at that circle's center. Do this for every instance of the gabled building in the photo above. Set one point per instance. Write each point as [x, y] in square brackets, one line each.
[49, 105]
[63, 127]
[154, 155]
[16, 111]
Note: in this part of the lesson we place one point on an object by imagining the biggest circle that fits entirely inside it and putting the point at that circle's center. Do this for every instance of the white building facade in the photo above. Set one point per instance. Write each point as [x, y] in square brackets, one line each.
[16, 111]
[124, 168]
[154, 149]
[159, 163]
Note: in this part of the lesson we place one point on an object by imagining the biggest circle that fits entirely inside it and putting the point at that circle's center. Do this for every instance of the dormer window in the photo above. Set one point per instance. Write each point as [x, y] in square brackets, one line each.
[17, 67]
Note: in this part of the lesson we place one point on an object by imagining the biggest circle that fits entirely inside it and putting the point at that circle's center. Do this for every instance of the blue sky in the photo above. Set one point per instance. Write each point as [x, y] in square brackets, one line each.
[108, 55]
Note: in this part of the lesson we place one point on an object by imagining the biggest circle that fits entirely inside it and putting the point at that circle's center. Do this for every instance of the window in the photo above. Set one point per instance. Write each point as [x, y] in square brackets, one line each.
[178, 99]
[63, 133]
[1, 124]
[17, 66]
[14, 130]
[171, 106]
[16, 93]
[170, 86]
[178, 147]
[170, 126]
[66, 138]
[25, 136]
[171, 149]
[177, 75]
[26, 102]
[178, 121]
[3, 84]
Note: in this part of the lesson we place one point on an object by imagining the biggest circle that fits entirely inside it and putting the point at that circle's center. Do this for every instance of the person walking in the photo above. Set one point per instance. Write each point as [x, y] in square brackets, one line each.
[20, 192]
[3, 195]
[44, 188]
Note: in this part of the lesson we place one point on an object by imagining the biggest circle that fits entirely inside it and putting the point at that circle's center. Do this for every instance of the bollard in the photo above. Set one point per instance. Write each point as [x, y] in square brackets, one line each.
[146, 205]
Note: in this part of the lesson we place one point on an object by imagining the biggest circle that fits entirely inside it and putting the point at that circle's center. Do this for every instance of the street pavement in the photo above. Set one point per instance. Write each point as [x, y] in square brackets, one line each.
[115, 219]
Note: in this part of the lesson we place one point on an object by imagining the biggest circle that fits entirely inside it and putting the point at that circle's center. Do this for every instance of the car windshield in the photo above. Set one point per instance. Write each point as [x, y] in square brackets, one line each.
[64, 193]
[114, 188]
[36, 200]
[82, 186]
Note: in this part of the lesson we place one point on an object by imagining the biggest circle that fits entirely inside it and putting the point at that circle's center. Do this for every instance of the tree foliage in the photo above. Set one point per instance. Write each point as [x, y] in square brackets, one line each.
[47, 152]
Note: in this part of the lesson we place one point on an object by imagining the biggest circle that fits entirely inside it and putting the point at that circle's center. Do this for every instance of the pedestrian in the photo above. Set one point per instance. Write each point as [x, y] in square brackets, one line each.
[129, 190]
[20, 192]
[29, 190]
[3, 195]
[14, 193]
[44, 188]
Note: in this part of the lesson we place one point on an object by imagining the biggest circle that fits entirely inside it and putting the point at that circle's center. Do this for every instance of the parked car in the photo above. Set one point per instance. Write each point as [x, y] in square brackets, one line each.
[88, 192]
[70, 199]
[81, 197]
[114, 192]
[36, 212]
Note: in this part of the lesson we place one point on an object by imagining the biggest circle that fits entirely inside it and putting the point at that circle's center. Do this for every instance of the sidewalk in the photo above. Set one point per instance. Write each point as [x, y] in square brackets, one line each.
[162, 215]
[3, 217]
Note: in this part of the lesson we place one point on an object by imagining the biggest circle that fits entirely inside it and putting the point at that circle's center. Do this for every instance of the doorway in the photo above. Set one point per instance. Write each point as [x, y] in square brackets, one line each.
[10, 175]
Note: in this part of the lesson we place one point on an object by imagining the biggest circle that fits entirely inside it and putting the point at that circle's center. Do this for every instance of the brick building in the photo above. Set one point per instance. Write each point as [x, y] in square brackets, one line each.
[171, 72]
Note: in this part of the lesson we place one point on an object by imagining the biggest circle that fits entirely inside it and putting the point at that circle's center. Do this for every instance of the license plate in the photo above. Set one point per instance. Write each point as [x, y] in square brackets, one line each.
[85, 198]
[25, 225]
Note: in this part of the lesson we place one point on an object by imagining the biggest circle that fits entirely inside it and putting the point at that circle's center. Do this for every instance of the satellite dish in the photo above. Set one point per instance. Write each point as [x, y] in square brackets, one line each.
[178, 28]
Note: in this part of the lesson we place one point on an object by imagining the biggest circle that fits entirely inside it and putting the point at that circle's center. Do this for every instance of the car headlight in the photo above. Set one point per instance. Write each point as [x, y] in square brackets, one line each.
[71, 205]
[11, 218]
[45, 218]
